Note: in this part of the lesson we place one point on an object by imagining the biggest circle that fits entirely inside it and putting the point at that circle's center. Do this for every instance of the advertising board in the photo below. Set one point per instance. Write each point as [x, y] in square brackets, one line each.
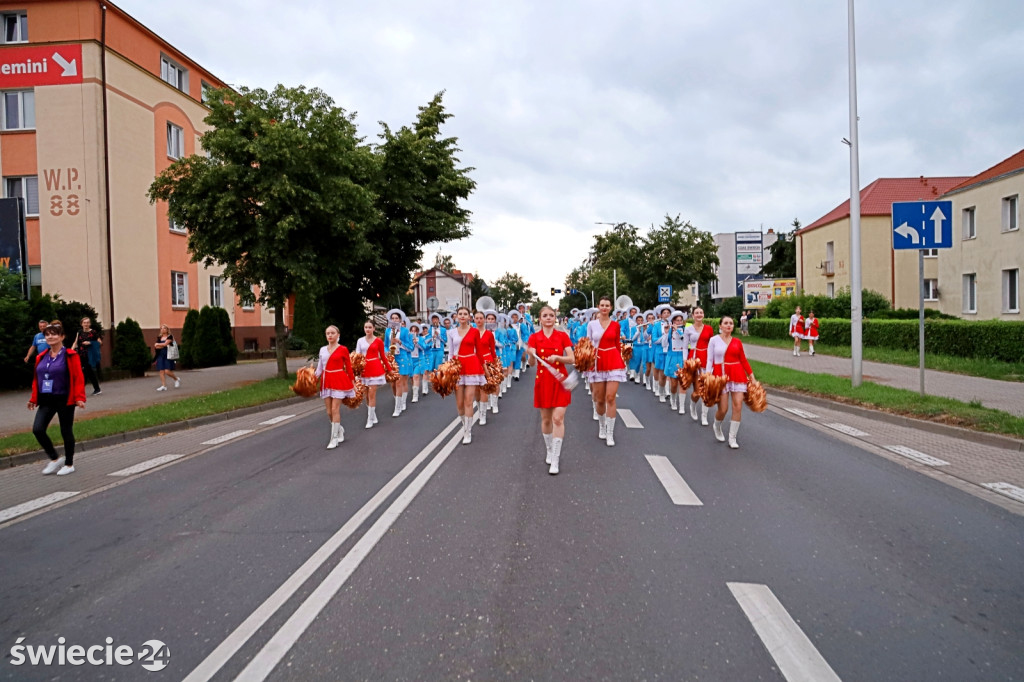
[759, 293]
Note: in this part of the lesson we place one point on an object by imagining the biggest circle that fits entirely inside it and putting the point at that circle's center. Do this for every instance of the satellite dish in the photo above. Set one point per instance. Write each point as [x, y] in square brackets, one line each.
[485, 303]
[433, 303]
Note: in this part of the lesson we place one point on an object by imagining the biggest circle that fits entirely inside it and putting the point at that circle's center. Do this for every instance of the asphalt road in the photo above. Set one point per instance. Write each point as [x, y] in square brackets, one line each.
[476, 564]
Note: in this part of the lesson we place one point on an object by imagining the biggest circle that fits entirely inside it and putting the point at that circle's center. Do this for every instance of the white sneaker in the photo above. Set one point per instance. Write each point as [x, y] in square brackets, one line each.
[177, 383]
[65, 470]
[162, 388]
[53, 466]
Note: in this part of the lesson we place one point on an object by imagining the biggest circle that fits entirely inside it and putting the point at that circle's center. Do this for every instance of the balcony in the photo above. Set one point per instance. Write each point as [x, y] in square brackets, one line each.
[827, 268]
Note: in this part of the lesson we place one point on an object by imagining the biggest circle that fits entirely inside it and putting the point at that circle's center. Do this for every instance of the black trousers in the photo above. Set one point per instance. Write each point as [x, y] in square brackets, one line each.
[92, 375]
[50, 405]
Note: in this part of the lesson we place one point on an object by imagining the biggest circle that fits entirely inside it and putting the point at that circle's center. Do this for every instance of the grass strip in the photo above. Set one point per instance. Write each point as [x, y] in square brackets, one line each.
[893, 400]
[975, 367]
[258, 393]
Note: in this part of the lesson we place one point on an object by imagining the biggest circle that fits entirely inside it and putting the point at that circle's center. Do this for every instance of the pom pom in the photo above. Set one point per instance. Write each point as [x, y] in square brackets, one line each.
[713, 387]
[627, 351]
[306, 383]
[392, 375]
[756, 397]
[356, 400]
[358, 363]
[446, 377]
[698, 386]
[494, 374]
[684, 377]
[585, 354]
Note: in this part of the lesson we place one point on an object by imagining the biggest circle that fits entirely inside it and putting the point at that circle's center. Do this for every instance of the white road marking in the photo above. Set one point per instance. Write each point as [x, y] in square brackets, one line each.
[277, 420]
[226, 437]
[32, 505]
[629, 419]
[675, 486]
[1007, 489]
[848, 430]
[917, 456]
[237, 639]
[801, 413]
[280, 644]
[793, 652]
[146, 466]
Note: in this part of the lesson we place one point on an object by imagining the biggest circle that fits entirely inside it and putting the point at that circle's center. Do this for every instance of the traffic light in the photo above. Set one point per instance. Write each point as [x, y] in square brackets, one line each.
[552, 291]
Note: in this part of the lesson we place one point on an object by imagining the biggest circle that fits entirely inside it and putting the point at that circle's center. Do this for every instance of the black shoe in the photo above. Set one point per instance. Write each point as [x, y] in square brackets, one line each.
[515, 378]
[97, 392]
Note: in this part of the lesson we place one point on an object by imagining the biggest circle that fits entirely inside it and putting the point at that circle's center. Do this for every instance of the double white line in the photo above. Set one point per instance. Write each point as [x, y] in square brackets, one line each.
[260, 667]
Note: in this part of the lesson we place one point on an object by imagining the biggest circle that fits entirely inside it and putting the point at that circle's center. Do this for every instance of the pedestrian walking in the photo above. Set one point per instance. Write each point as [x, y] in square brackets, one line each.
[166, 346]
[728, 359]
[745, 323]
[609, 370]
[796, 330]
[89, 342]
[38, 346]
[337, 381]
[398, 340]
[58, 387]
[811, 330]
[375, 368]
[554, 347]
[464, 344]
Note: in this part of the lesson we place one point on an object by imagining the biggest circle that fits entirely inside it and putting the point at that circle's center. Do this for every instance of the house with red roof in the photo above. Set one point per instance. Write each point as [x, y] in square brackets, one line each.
[823, 247]
[979, 278]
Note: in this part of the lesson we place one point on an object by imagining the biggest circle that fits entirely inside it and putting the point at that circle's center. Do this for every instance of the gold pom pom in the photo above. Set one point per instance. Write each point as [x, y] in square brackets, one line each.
[585, 354]
[757, 397]
[356, 400]
[392, 375]
[494, 373]
[626, 349]
[306, 383]
[713, 387]
[446, 377]
[358, 363]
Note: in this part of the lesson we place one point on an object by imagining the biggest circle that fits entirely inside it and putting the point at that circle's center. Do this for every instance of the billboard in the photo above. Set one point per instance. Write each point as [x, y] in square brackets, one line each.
[749, 250]
[759, 293]
[12, 236]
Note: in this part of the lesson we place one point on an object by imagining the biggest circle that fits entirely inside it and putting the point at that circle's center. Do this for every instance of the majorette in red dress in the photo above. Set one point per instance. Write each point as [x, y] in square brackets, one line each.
[548, 391]
[609, 355]
[811, 325]
[336, 373]
[377, 364]
[486, 343]
[796, 325]
[734, 365]
[468, 349]
[700, 350]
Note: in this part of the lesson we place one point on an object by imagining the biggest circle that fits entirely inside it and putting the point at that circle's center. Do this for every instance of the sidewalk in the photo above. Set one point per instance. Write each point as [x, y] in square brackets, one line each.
[131, 394]
[1007, 396]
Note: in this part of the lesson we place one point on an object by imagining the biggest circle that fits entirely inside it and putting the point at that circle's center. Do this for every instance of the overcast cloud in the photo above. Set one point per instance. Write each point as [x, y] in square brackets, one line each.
[727, 113]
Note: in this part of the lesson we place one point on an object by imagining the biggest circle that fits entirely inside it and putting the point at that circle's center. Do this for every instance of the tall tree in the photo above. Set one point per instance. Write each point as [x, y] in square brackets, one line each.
[783, 254]
[443, 261]
[511, 289]
[285, 199]
[477, 288]
[675, 253]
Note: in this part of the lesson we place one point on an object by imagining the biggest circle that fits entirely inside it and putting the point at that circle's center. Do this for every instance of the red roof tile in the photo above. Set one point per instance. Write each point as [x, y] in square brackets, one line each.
[877, 198]
[1014, 163]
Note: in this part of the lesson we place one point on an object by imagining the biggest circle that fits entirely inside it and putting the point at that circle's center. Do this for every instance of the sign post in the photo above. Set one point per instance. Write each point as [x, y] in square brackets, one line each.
[664, 293]
[922, 225]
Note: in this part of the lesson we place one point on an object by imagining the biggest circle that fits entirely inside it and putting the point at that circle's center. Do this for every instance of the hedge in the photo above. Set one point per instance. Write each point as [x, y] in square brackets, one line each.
[994, 340]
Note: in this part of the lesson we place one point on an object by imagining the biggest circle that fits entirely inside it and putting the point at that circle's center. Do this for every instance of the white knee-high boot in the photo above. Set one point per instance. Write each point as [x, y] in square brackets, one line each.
[483, 413]
[734, 428]
[547, 447]
[369, 417]
[467, 432]
[703, 415]
[719, 436]
[682, 403]
[494, 404]
[610, 431]
[602, 426]
[556, 454]
[334, 436]
[693, 409]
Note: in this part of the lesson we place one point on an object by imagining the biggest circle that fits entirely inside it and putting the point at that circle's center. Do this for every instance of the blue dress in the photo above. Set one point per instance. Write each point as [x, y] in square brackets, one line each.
[406, 363]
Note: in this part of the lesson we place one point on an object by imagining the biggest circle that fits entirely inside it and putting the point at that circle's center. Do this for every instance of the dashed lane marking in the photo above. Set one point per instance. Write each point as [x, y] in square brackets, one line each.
[226, 437]
[32, 505]
[677, 489]
[629, 419]
[793, 652]
[801, 413]
[277, 420]
[917, 456]
[1007, 489]
[146, 466]
[847, 429]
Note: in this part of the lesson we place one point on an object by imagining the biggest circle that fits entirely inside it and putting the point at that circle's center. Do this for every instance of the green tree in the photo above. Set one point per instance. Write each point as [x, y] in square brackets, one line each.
[228, 347]
[510, 290]
[188, 338]
[477, 288]
[131, 352]
[783, 254]
[443, 261]
[16, 332]
[285, 199]
[535, 307]
[208, 349]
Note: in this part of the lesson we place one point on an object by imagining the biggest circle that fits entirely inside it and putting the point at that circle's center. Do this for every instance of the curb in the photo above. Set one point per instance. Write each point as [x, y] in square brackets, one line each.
[149, 431]
[995, 440]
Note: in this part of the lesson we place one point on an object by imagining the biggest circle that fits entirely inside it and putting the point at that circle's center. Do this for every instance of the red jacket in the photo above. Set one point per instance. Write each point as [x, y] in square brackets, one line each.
[488, 345]
[377, 363]
[76, 383]
[609, 356]
[734, 364]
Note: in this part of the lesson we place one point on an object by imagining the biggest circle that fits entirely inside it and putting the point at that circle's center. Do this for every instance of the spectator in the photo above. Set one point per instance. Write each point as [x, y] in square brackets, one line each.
[38, 342]
[163, 363]
[89, 342]
[744, 323]
[58, 387]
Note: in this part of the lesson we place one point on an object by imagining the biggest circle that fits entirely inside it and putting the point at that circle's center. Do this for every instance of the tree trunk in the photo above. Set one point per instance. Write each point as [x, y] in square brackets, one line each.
[282, 341]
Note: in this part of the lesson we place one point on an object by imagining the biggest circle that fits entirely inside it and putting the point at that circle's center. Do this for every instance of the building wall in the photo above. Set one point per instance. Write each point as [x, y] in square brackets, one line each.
[987, 255]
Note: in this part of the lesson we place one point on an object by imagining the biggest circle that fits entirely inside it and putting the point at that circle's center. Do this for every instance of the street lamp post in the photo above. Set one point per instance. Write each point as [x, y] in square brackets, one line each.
[856, 324]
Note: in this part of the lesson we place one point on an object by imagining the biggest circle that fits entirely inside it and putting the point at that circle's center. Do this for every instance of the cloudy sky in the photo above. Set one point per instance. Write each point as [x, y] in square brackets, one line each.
[730, 114]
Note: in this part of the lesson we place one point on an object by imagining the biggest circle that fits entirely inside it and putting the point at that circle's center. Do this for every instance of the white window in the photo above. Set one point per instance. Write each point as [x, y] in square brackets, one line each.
[967, 222]
[931, 290]
[175, 141]
[19, 110]
[1011, 291]
[217, 292]
[931, 253]
[173, 73]
[970, 293]
[206, 91]
[179, 289]
[15, 27]
[248, 301]
[1011, 221]
[830, 289]
[175, 227]
[27, 188]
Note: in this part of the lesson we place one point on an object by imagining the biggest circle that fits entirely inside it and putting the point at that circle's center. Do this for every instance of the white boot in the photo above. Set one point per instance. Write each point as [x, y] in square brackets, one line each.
[341, 433]
[719, 436]
[467, 433]
[556, 453]
[494, 404]
[369, 417]
[602, 432]
[662, 393]
[483, 414]
[398, 406]
[693, 410]
[373, 412]
[672, 402]
[682, 403]
[595, 411]
[415, 395]
[610, 431]
[515, 373]
[405, 401]
[425, 386]
[703, 415]
[547, 447]
[334, 437]
[636, 379]
[734, 428]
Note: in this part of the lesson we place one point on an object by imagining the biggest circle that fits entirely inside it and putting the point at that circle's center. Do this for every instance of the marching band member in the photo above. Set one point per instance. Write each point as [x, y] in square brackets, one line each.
[464, 344]
[375, 369]
[659, 337]
[698, 336]
[811, 330]
[637, 362]
[727, 357]
[517, 326]
[796, 330]
[334, 369]
[416, 354]
[509, 346]
[399, 341]
[610, 369]
[674, 359]
[648, 344]
[554, 347]
[491, 349]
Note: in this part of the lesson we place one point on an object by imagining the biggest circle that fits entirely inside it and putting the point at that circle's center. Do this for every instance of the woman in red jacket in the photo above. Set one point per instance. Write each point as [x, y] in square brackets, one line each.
[485, 323]
[375, 370]
[58, 387]
[727, 358]
[609, 371]
[338, 382]
[464, 343]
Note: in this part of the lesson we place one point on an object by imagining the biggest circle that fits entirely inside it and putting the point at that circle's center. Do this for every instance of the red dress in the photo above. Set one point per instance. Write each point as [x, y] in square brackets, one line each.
[337, 371]
[376, 360]
[734, 365]
[701, 351]
[609, 355]
[796, 327]
[812, 328]
[548, 391]
[487, 345]
[470, 351]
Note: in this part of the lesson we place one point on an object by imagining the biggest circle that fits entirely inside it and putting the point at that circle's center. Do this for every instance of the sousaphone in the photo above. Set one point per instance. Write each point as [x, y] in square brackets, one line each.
[485, 303]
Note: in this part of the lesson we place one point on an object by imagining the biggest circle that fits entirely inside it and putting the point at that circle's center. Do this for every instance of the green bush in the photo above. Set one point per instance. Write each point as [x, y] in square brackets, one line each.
[70, 313]
[16, 332]
[131, 352]
[207, 350]
[872, 303]
[188, 338]
[730, 306]
[229, 350]
[912, 314]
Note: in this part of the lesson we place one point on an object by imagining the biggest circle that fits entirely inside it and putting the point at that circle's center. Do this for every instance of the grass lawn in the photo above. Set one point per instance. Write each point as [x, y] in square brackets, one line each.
[258, 393]
[975, 367]
[893, 400]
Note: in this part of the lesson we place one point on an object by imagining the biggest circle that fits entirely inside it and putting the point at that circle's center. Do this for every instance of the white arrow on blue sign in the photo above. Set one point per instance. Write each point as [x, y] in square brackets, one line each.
[922, 224]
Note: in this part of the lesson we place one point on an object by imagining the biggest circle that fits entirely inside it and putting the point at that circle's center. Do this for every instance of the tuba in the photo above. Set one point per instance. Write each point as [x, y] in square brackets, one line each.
[485, 303]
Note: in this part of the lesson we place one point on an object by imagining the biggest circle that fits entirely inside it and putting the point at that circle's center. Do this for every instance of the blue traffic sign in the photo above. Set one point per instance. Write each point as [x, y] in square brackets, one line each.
[922, 225]
[664, 293]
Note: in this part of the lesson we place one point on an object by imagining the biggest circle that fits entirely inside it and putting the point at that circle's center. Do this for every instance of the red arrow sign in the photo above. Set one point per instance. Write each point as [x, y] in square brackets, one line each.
[26, 67]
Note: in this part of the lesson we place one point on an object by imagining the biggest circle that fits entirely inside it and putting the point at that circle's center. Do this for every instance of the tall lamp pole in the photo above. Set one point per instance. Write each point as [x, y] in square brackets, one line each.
[856, 325]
